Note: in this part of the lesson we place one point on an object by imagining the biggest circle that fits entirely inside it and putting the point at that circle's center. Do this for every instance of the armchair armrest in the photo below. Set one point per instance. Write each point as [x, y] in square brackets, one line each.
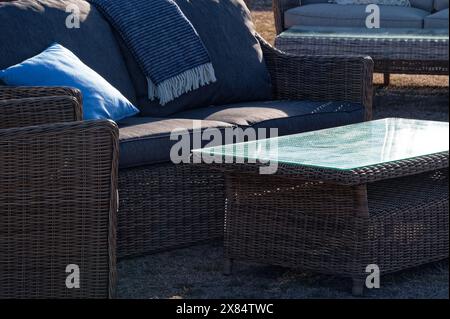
[279, 7]
[31, 111]
[320, 78]
[20, 92]
[58, 198]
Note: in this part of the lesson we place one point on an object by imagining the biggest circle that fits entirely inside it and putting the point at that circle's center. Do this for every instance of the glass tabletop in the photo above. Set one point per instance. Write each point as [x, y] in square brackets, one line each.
[346, 32]
[346, 147]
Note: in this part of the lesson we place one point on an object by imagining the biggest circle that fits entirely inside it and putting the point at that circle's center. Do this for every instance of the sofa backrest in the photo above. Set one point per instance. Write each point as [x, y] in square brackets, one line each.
[421, 4]
[426, 5]
[313, 1]
[30, 26]
[226, 30]
[440, 4]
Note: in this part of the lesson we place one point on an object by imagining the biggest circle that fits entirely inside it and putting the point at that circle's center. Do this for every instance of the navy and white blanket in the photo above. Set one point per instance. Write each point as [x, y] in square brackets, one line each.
[164, 43]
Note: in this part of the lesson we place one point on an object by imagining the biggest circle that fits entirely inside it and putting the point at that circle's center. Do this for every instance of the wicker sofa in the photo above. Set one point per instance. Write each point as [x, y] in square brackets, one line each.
[163, 205]
[421, 14]
[412, 53]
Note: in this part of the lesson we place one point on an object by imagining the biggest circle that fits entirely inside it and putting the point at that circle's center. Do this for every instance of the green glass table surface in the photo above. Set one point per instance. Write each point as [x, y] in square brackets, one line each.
[384, 33]
[346, 147]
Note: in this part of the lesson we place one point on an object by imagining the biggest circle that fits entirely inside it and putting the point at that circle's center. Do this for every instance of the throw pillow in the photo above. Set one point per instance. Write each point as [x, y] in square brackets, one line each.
[58, 66]
[28, 27]
[228, 34]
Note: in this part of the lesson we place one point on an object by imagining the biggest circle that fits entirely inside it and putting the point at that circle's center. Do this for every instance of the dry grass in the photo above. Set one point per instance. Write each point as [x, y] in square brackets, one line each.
[264, 22]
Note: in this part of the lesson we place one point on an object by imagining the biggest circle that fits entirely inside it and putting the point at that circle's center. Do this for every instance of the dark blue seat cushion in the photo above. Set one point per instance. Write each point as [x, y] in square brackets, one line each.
[290, 117]
[227, 32]
[146, 140]
[28, 27]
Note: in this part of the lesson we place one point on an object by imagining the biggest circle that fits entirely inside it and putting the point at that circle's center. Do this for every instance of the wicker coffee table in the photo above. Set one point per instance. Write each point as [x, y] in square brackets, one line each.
[410, 51]
[341, 199]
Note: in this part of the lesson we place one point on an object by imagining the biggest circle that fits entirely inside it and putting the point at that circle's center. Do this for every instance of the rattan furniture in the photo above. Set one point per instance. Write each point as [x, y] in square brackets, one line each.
[341, 199]
[408, 51]
[58, 196]
[165, 206]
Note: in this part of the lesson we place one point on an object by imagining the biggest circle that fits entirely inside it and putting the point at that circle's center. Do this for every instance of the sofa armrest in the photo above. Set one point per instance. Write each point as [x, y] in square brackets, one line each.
[32, 111]
[279, 7]
[58, 198]
[320, 78]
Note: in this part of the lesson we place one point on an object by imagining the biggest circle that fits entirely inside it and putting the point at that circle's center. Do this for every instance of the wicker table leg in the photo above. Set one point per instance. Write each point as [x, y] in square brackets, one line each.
[358, 287]
[362, 212]
[228, 267]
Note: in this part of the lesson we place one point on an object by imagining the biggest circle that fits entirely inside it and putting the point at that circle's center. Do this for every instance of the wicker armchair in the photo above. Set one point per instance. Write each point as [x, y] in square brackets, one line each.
[58, 197]
[279, 7]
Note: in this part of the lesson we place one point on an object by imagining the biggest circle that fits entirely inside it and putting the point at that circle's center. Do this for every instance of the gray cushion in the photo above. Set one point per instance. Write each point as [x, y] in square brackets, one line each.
[145, 140]
[438, 20]
[440, 4]
[313, 1]
[228, 33]
[327, 14]
[422, 4]
[289, 117]
[30, 26]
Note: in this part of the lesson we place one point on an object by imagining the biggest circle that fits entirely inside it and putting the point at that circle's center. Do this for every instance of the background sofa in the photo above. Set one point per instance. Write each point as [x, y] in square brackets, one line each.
[421, 14]
[163, 205]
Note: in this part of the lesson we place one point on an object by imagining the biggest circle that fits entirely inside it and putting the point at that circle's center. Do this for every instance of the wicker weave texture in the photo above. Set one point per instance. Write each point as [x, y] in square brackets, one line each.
[164, 206]
[396, 223]
[412, 55]
[167, 206]
[38, 111]
[404, 56]
[58, 207]
[320, 78]
[356, 176]
[21, 92]
[28, 106]
[377, 48]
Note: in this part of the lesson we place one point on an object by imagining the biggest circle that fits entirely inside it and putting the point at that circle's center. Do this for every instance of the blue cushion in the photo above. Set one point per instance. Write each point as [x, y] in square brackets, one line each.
[147, 140]
[28, 27]
[58, 66]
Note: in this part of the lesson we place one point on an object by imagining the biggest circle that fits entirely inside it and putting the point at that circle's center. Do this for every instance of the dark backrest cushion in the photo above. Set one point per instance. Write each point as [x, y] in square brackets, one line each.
[28, 27]
[227, 31]
[420, 4]
[426, 5]
[440, 5]
[313, 1]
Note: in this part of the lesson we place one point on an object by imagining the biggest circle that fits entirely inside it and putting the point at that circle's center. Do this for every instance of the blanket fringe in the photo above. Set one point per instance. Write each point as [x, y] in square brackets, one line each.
[182, 83]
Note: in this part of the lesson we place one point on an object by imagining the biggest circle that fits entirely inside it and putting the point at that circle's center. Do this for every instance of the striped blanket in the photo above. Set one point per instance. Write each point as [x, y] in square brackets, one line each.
[163, 42]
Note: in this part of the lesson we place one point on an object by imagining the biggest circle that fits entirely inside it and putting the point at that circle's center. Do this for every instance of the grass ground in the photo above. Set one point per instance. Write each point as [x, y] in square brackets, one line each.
[196, 272]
